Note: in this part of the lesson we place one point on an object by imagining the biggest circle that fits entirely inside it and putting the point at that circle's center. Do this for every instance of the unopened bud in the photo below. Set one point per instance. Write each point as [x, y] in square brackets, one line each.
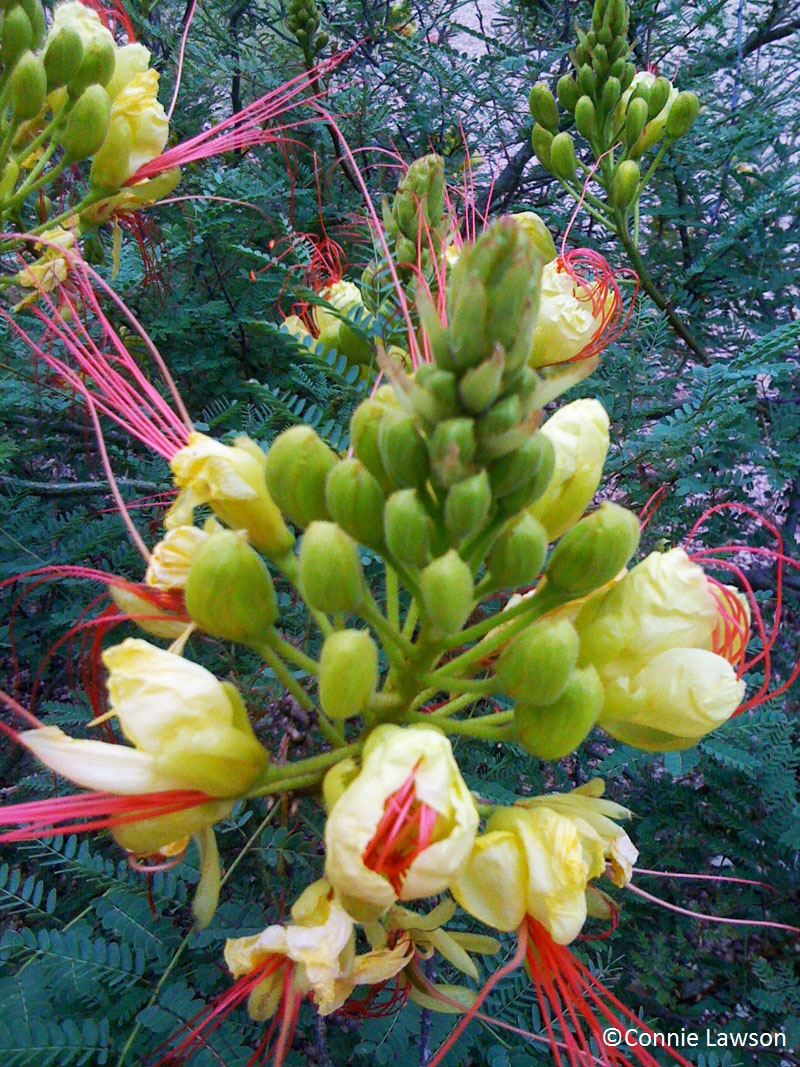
[518, 554]
[364, 427]
[480, 386]
[624, 184]
[586, 118]
[447, 593]
[508, 473]
[568, 93]
[440, 389]
[402, 449]
[330, 571]
[536, 228]
[587, 80]
[562, 156]
[659, 95]
[97, 66]
[542, 146]
[408, 528]
[35, 12]
[452, 450]
[348, 673]
[600, 59]
[356, 501]
[62, 58]
[466, 507]
[682, 114]
[8, 179]
[297, 468]
[27, 87]
[635, 120]
[556, 730]
[594, 551]
[16, 36]
[543, 107]
[627, 76]
[611, 94]
[229, 592]
[110, 168]
[87, 124]
[535, 667]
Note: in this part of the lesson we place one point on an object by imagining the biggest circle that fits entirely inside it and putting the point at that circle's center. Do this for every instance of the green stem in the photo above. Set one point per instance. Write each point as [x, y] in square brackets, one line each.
[392, 598]
[287, 651]
[475, 686]
[464, 700]
[306, 771]
[183, 945]
[370, 612]
[594, 206]
[484, 728]
[289, 567]
[291, 685]
[411, 620]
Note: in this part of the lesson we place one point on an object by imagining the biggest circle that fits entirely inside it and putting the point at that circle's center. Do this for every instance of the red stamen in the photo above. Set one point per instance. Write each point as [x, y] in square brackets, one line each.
[594, 282]
[115, 18]
[405, 830]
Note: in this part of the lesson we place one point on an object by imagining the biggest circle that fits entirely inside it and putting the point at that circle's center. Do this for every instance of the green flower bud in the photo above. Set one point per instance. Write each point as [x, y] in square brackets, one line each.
[605, 36]
[503, 416]
[331, 577]
[542, 145]
[356, 501]
[624, 184]
[229, 592]
[97, 67]
[16, 36]
[440, 389]
[408, 528]
[518, 554]
[682, 114]
[587, 80]
[611, 94]
[348, 673]
[62, 58]
[618, 16]
[627, 76]
[594, 551]
[568, 92]
[480, 386]
[543, 107]
[447, 593]
[659, 95]
[87, 124]
[27, 87]
[635, 120]
[586, 118]
[452, 450]
[466, 507]
[8, 179]
[364, 428]
[535, 227]
[297, 469]
[600, 60]
[419, 202]
[35, 12]
[536, 484]
[562, 156]
[511, 471]
[618, 69]
[402, 450]
[556, 730]
[535, 667]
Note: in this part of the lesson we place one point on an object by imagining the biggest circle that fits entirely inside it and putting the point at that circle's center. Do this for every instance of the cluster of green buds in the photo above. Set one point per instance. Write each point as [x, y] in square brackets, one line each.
[302, 20]
[70, 94]
[619, 111]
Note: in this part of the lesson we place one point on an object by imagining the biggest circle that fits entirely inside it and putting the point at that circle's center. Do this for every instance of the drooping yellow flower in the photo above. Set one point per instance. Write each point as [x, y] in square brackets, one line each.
[129, 60]
[171, 558]
[231, 479]
[137, 133]
[51, 268]
[404, 826]
[665, 642]
[579, 435]
[568, 317]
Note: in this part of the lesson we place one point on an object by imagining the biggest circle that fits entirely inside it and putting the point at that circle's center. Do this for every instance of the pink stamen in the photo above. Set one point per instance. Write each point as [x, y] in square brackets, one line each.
[710, 918]
[404, 831]
[187, 23]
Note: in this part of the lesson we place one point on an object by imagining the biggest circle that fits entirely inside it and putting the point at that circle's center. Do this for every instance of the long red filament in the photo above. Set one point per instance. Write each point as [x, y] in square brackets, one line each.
[404, 831]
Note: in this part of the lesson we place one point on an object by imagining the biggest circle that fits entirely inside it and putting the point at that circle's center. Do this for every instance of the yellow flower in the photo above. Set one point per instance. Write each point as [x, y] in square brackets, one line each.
[343, 296]
[130, 60]
[86, 23]
[137, 133]
[48, 272]
[231, 479]
[147, 615]
[403, 828]
[172, 557]
[663, 640]
[580, 438]
[537, 860]
[654, 128]
[132, 198]
[567, 320]
[538, 232]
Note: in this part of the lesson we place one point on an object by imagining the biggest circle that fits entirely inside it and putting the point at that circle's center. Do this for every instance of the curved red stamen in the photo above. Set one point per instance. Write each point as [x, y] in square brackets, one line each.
[595, 283]
[369, 1007]
[404, 831]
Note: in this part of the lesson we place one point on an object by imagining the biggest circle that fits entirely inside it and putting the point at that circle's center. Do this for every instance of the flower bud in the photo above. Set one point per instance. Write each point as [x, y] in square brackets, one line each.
[338, 778]
[35, 12]
[510, 472]
[480, 386]
[624, 184]
[138, 132]
[16, 36]
[402, 449]
[348, 673]
[27, 87]
[562, 156]
[535, 667]
[96, 67]
[542, 145]
[594, 551]
[466, 507]
[682, 115]
[555, 730]
[8, 179]
[626, 79]
[518, 554]
[437, 397]
[543, 107]
[452, 450]
[579, 435]
[587, 80]
[62, 58]
[87, 124]
[612, 91]
[447, 593]
[659, 95]
[364, 428]
[297, 467]
[330, 571]
[586, 118]
[536, 228]
[408, 528]
[229, 591]
[635, 119]
[568, 93]
[110, 169]
[356, 501]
